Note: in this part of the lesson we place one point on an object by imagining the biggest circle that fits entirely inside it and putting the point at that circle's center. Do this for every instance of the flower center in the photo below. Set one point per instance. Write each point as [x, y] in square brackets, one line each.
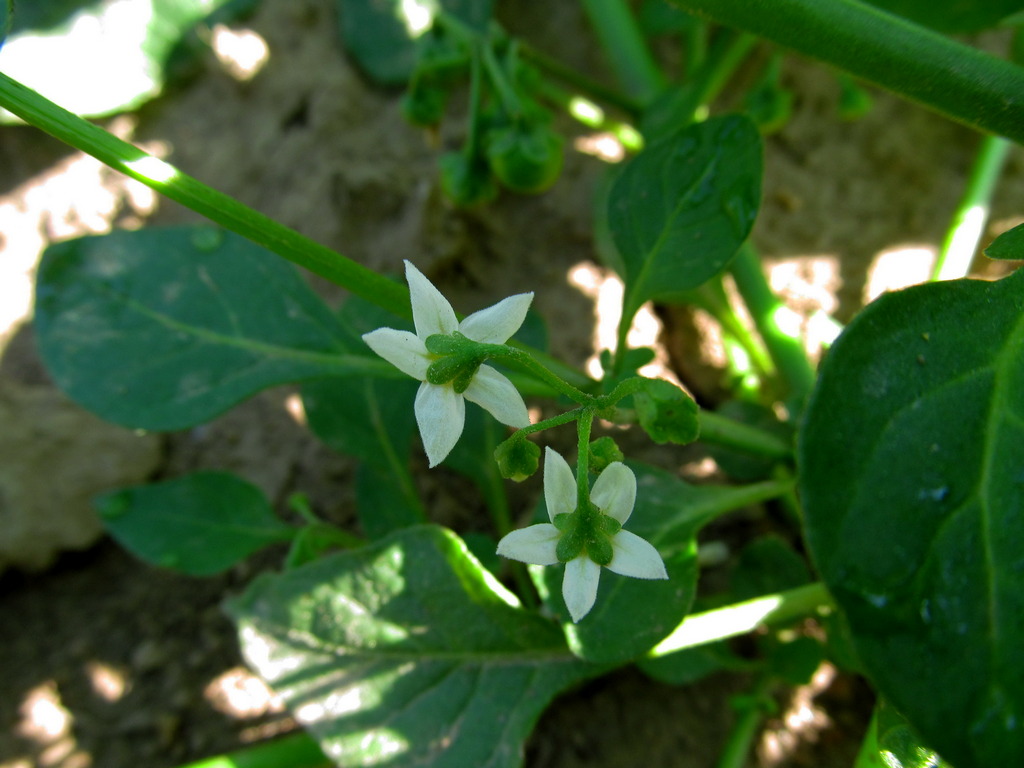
[458, 359]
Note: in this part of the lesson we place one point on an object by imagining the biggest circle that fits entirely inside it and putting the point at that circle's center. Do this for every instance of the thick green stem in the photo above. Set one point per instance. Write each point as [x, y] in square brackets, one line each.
[786, 349]
[214, 205]
[740, 618]
[961, 82]
[297, 750]
[627, 53]
[732, 434]
[964, 233]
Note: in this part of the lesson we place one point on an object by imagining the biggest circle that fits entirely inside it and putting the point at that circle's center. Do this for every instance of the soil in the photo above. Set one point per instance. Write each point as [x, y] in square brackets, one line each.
[308, 141]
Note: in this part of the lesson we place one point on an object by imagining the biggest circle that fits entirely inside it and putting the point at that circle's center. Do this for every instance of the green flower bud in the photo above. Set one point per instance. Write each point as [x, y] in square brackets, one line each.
[517, 459]
[525, 158]
[424, 104]
[603, 452]
[466, 180]
[666, 412]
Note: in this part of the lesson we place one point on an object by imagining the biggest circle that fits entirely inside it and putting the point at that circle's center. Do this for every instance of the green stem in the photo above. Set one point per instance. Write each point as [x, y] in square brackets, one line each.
[583, 425]
[741, 737]
[526, 361]
[732, 434]
[570, 76]
[786, 350]
[740, 618]
[625, 48]
[296, 750]
[700, 512]
[554, 421]
[961, 82]
[509, 99]
[965, 231]
[214, 205]
[722, 61]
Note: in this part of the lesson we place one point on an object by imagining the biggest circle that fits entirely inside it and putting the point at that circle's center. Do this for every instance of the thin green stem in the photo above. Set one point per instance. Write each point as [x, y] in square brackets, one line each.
[590, 88]
[554, 421]
[214, 205]
[526, 361]
[625, 48]
[723, 60]
[740, 618]
[959, 81]
[296, 750]
[968, 223]
[583, 425]
[733, 434]
[741, 737]
[785, 348]
[509, 99]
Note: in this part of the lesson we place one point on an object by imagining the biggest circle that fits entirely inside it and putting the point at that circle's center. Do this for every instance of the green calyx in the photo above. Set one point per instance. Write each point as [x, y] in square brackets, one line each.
[589, 531]
[458, 359]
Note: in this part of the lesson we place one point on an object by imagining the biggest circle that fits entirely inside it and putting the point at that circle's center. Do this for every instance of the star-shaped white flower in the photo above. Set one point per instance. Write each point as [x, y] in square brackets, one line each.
[440, 410]
[614, 494]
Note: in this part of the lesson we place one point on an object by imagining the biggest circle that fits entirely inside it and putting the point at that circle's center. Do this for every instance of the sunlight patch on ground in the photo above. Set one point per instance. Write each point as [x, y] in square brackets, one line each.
[802, 721]
[77, 196]
[295, 409]
[240, 694]
[48, 725]
[109, 683]
[898, 268]
[603, 146]
[242, 53]
[605, 289]
[808, 285]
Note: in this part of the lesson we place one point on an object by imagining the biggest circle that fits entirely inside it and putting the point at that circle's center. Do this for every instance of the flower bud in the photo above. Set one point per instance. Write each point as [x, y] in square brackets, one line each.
[603, 452]
[666, 412]
[517, 458]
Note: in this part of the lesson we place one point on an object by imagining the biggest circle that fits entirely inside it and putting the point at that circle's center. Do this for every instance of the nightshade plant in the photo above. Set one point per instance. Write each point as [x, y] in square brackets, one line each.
[899, 464]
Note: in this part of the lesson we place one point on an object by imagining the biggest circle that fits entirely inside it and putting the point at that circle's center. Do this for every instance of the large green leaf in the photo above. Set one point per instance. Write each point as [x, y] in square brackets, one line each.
[1009, 245]
[681, 208]
[953, 16]
[199, 524]
[381, 34]
[891, 743]
[912, 475]
[166, 328]
[405, 653]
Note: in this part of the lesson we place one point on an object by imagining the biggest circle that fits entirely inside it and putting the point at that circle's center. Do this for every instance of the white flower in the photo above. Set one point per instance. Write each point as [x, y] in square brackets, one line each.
[440, 410]
[614, 494]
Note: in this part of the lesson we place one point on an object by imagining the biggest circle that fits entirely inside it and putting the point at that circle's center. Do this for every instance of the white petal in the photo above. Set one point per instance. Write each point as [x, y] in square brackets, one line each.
[431, 311]
[440, 414]
[579, 586]
[535, 544]
[498, 396]
[402, 349]
[496, 324]
[636, 557]
[614, 491]
[559, 485]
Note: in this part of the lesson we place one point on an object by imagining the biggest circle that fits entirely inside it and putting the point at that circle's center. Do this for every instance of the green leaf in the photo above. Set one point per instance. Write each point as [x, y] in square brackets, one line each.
[1009, 245]
[952, 16]
[386, 500]
[199, 524]
[99, 57]
[892, 743]
[681, 208]
[166, 328]
[381, 35]
[912, 479]
[405, 653]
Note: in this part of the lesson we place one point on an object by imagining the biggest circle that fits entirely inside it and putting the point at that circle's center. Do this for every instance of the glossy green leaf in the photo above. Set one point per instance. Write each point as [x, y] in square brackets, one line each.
[381, 34]
[1009, 245]
[912, 476]
[682, 207]
[952, 16]
[405, 653]
[630, 615]
[199, 524]
[97, 58]
[892, 743]
[166, 328]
